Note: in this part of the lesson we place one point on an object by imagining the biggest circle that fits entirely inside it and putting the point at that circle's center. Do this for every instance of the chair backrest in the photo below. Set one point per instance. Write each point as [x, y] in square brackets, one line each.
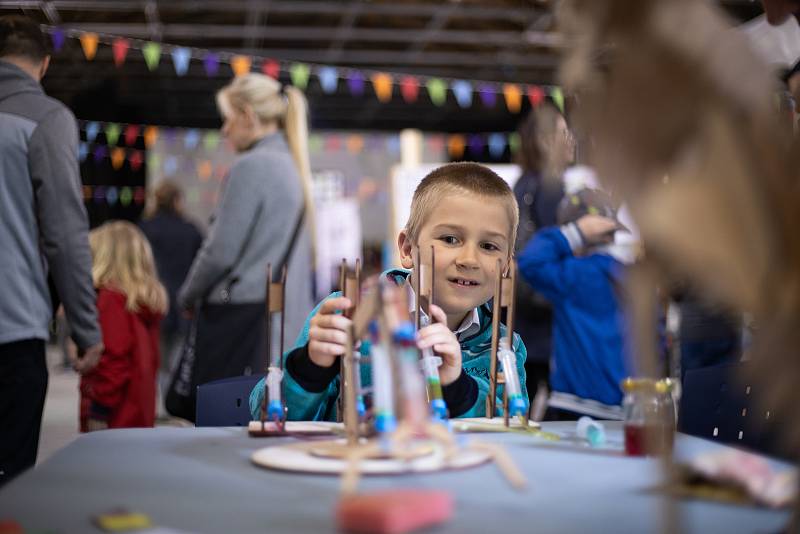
[225, 402]
[717, 404]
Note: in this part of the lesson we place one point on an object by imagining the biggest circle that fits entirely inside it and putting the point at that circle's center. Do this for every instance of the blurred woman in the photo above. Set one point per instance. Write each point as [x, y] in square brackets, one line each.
[264, 216]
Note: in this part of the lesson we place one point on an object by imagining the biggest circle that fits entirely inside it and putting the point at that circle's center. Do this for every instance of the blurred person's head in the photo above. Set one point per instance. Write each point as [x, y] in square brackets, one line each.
[123, 260]
[23, 44]
[168, 198]
[547, 146]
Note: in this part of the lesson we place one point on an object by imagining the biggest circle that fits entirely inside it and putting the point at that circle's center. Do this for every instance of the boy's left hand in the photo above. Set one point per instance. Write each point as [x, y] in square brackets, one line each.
[444, 343]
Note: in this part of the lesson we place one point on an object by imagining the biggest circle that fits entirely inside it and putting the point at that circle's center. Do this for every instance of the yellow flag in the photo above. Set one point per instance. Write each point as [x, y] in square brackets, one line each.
[89, 44]
[382, 83]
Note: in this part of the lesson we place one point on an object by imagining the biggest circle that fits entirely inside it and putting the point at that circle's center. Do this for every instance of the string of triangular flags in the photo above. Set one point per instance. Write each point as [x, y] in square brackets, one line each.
[383, 83]
[116, 134]
[112, 194]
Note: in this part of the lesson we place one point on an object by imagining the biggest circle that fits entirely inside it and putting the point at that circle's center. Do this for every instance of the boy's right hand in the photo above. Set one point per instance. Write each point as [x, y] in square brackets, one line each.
[597, 230]
[327, 332]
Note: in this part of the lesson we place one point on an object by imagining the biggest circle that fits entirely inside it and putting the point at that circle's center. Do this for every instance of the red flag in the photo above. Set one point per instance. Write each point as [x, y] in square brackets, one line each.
[409, 87]
[535, 95]
[120, 47]
[271, 68]
[131, 133]
[135, 159]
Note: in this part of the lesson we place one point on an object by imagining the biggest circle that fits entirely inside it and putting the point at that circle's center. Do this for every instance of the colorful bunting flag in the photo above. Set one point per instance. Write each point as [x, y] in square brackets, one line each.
[92, 129]
[299, 73]
[497, 144]
[241, 65]
[112, 133]
[558, 98]
[487, 94]
[211, 141]
[99, 153]
[89, 44]
[150, 136]
[211, 64]
[154, 161]
[393, 145]
[112, 195]
[180, 59]
[125, 196]
[191, 139]
[513, 142]
[83, 150]
[328, 79]
[117, 158]
[513, 96]
[87, 193]
[58, 38]
[99, 194]
[204, 170]
[333, 143]
[120, 50]
[135, 160]
[475, 144]
[355, 143]
[535, 95]
[437, 91]
[315, 143]
[355, 81]
[152, 54]
[138, 195]
[462, 90]
[131, 134]
[409, 87]
[435, 143]
[170, 166]
[455, 146]
[382, 83]
[271, 68]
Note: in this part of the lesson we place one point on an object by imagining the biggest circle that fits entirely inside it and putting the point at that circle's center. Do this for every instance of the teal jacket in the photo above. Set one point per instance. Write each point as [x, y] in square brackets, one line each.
[311, 391]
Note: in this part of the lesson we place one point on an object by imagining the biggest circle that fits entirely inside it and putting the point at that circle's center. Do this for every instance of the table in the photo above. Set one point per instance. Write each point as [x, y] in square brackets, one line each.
[201, 480]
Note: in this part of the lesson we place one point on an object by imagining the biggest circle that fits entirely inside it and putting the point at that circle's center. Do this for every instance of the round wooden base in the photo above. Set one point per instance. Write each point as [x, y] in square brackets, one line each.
[330, 457]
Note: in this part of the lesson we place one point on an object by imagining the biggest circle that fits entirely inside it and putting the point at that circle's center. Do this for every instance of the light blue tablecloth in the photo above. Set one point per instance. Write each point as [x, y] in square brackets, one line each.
[201, 480]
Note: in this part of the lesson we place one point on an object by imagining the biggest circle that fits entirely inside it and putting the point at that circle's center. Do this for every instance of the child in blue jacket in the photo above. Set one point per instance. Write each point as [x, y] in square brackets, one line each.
[470, 216]
[576, 267]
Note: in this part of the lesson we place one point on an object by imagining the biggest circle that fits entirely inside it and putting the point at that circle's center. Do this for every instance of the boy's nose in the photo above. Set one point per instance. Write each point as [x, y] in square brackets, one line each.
[467, 257]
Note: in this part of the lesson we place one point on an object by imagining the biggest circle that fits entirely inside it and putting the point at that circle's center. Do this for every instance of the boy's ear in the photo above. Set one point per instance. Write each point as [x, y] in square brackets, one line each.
[406, 248]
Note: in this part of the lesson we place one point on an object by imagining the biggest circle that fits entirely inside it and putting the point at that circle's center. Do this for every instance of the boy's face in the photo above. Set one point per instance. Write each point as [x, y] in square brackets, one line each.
[469, 234]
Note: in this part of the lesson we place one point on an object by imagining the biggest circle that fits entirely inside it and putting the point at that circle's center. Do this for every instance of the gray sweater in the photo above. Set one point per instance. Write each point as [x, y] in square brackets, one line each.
[253, 224]
[43, 223]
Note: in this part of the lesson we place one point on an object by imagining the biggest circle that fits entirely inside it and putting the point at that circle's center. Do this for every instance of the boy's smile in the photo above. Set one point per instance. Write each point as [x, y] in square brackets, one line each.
[469, 234]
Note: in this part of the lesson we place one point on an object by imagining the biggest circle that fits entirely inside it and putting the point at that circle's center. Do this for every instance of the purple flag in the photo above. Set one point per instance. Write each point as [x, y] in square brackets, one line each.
[355, 81]
[58, 39]
[211, 64]
[488, 96]
[475, 144]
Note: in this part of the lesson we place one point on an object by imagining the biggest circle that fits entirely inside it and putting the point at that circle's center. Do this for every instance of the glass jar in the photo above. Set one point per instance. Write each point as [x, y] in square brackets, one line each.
[649, 413]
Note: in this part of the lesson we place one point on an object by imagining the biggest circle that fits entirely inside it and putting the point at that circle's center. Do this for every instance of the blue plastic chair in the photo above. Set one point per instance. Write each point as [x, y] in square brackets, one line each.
[225, 402]
[717, 404]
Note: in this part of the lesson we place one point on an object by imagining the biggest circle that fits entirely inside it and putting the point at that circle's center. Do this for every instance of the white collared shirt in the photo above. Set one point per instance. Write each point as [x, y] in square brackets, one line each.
[469, 326]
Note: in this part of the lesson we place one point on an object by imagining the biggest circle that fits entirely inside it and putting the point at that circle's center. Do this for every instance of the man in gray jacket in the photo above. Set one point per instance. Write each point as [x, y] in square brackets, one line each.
[43, 232]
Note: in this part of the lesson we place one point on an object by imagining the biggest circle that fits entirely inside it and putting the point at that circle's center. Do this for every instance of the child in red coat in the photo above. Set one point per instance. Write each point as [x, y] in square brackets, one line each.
[121, 391]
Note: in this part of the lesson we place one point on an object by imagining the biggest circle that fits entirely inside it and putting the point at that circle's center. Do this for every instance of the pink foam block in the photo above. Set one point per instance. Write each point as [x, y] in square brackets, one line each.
[394, 511]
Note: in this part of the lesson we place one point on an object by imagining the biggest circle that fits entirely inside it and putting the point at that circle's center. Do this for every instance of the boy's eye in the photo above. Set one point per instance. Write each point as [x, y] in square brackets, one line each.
[490, 247]
[449, 239]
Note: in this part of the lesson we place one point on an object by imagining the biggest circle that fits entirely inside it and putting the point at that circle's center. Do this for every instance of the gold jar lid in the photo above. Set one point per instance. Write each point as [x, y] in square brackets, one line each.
[632, 384]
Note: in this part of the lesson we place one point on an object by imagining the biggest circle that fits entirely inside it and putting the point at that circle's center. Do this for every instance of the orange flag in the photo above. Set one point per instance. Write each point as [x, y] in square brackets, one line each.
[382, 83]
[455, 145]
[117, 158]
[241, 65]
[355, 143]
[150, 136]
[513, 95]
[89, 44]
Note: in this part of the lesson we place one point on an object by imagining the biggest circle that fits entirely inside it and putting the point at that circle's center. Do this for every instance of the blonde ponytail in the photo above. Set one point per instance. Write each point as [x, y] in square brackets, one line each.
[296, 127]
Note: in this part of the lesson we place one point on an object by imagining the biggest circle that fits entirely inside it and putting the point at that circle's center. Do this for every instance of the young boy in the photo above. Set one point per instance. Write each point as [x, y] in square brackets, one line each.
[470, 216]
[578, 269]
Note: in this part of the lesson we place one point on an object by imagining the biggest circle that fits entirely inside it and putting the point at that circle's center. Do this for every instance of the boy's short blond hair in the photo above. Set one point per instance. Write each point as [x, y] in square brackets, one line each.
[460, 178]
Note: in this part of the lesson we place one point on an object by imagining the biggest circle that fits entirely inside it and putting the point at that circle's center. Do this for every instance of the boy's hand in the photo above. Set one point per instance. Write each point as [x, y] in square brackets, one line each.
[444, 343]
[597, 230]
[327, 332]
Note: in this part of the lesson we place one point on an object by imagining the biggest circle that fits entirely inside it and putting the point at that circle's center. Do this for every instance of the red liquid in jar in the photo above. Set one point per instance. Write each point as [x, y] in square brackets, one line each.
[641, 440]
[635, 440]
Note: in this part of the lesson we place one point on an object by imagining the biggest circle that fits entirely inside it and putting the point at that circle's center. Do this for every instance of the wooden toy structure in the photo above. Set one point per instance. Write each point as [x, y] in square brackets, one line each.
[419, 441]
